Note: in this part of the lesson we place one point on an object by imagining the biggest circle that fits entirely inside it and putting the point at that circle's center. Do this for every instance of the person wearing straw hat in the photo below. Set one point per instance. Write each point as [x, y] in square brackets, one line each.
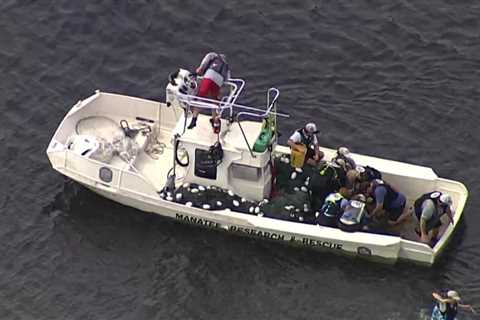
[446, 305]
[307, 136]
[215, 71]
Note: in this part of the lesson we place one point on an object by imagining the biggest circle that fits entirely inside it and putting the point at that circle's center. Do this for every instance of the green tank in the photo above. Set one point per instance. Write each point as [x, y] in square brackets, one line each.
[263, 140]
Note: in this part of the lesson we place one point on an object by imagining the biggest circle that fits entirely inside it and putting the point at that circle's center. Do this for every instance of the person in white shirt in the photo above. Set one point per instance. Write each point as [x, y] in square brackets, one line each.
[307, 136]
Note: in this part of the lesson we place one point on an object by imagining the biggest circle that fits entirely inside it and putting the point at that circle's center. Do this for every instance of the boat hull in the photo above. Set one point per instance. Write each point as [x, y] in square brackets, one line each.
[231, 223]
[137, 184]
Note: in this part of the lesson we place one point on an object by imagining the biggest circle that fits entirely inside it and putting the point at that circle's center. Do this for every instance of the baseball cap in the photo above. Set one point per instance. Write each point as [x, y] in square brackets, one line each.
[311, 127]
[360, 169]
[446, 199]
[453, 295]
[343, 151]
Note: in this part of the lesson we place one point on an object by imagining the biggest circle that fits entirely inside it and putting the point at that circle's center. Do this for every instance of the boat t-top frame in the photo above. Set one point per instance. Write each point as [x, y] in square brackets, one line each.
[229, 104]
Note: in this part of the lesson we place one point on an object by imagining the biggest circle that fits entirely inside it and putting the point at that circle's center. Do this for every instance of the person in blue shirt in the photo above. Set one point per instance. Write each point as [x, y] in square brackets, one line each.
[389, 203]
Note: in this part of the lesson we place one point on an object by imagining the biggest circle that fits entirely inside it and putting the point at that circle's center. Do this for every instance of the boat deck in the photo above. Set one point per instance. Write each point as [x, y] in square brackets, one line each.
[154, 165]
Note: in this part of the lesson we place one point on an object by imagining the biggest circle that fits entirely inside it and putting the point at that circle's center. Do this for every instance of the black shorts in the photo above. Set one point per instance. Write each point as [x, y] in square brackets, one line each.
[395, 213]
[309, 155]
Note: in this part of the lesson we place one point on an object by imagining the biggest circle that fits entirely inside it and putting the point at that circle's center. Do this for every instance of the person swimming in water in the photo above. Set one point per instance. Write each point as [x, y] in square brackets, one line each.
[446, 306]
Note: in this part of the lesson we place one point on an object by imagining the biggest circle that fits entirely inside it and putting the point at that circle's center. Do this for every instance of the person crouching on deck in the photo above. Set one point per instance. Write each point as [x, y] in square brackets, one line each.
[429, 209]
[389, 203]
[307, 136]
[215, 71]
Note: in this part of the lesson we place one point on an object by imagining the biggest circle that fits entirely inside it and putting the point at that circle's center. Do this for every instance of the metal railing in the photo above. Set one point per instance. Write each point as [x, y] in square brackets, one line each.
[228, 103]
[262, 115]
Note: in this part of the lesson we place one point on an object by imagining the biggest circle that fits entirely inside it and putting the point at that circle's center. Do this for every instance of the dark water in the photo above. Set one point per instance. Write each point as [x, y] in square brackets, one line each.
[397, 79]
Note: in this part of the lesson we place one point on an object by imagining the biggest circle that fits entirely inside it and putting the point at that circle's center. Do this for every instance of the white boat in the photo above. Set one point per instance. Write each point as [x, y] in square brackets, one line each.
[91, 148]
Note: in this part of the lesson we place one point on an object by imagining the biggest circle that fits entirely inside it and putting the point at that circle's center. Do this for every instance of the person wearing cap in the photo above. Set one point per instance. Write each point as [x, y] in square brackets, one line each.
[308, 137]
[215, 71]
[429, 209]
[345, 163]
[388, 202]
[344, 159]
[357, 177]
[331, 210]
[447, 303]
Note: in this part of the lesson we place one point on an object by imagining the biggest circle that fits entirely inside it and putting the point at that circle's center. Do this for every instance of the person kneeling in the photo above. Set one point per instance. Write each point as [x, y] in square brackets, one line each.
[389, 203]
[429, 209]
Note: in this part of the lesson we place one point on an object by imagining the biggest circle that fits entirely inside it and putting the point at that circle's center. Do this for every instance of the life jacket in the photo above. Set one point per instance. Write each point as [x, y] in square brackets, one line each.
[306, 139]
[327, 180]
[435, 197]
[219, 65]
[451, 311]
[390, 196]
[331, 210]
[335, 174]
[448, 310]
[370, 174]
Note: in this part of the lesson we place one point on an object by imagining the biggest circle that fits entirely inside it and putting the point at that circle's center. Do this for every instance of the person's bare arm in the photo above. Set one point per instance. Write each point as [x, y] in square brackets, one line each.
[318, 157]
[450, 215]
[378, 210]
[205, 62]
[467, 307]
[405, 214]
[423, 231]
[293, 145]
[439, 298]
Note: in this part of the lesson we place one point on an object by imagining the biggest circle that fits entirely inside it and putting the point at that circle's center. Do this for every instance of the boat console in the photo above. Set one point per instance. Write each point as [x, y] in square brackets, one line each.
[235, 157]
